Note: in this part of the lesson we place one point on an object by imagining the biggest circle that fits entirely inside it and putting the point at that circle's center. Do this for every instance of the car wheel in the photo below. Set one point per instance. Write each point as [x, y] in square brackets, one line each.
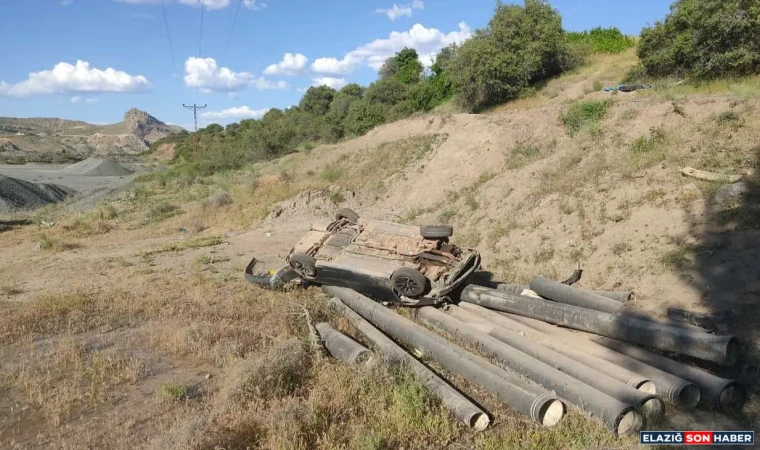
[436, 231]
[304, 264]
[348, 214]
[409, 282]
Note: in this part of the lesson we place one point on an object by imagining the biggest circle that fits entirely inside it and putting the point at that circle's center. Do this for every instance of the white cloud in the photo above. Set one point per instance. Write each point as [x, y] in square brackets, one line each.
[334, 66]
[239, 112]
[426, 41]
[290, 65]
[68, 78]
[263, 84]
[254, 5]
[397, 11]
[206, 75]
[335, 83]
[77, 99]
[203, 73]
[207, 4]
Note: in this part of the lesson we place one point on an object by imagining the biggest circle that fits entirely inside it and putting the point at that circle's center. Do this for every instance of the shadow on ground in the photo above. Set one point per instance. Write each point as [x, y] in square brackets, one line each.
[724, 265]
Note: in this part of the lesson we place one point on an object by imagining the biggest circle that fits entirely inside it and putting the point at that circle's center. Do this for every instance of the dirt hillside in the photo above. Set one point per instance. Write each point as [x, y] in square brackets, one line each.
[138, 313]
[58, 140]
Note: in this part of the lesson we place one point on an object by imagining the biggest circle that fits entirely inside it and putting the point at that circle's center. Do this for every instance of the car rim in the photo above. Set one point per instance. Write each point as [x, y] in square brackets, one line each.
[301, 269]
[407, 286]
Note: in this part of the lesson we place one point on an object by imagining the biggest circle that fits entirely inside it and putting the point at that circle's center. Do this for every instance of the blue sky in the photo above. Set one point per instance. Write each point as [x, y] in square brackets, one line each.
[92, 60]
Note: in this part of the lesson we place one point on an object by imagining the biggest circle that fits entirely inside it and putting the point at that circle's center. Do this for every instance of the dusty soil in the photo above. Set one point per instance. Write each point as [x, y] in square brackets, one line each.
[167, 308]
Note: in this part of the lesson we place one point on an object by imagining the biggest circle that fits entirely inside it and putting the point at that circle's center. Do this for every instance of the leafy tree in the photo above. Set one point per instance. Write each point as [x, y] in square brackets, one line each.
[388, 92]
[409, 66]
[211, 129]
[363, 116]
[533, 33]
[484, 75]
[522, 45]
[352, 90]
[317, 100]
[405, 67]
[389, 69]
[704, 39]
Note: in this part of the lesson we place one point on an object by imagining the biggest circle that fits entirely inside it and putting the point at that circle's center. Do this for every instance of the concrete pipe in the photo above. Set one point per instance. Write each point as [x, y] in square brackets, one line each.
[533, 345]
[570, 295]
[719, 349]
[469, 312]
[622, 418]
[341, 346]
[526, 398]
[675, 390]
[517, 289]
[726, 395]
[463, 408]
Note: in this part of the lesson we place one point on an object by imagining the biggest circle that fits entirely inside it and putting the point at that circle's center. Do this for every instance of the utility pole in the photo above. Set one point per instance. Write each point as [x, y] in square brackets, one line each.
[195, 109]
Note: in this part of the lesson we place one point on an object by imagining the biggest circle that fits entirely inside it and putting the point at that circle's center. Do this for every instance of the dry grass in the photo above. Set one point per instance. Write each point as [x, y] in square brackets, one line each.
[187, 244]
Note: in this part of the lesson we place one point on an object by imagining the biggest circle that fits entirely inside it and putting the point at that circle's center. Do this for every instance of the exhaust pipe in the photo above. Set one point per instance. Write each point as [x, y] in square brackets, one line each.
[467, 312]
[723, 350]
[341, 346]
[726, 395]
[569, 295]
[528, 399]
[618, 416]
[677, 391]
[462, 407]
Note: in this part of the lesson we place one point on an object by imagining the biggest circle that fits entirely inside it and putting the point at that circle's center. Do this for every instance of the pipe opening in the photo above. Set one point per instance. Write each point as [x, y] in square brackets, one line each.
[731, 398]
[480, 421]
[629, 421]
[653, 408]
[732, 352]
[688, 396]
[647, 386]
[551, 413]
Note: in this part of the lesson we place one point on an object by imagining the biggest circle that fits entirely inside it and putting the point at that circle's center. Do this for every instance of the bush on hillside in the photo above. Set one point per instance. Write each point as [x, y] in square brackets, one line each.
[602, 40]
[521, 45]
[704, 39]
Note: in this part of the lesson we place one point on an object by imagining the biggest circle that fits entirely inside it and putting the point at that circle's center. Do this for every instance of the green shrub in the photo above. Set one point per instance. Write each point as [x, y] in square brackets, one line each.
[522, 45]
[602, 40]
[704, 39]
[582, 115]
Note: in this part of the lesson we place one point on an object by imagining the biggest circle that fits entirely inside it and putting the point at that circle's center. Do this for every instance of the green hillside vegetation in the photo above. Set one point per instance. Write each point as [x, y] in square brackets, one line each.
[521, 48]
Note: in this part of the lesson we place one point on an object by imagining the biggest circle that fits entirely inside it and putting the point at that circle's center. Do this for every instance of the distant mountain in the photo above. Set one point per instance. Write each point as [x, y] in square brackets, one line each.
[58, 140]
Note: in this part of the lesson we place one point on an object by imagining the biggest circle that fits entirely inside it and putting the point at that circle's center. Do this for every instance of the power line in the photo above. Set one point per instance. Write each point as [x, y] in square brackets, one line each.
[195, 109]
[232, 30]
[200, 42]
[169, 37]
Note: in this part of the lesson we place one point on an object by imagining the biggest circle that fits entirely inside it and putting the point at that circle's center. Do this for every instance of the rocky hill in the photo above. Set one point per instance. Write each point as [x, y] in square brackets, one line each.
[59, 140]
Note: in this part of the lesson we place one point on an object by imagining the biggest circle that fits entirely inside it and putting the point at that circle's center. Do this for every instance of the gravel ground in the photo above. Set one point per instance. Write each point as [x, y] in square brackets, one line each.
[24, 187]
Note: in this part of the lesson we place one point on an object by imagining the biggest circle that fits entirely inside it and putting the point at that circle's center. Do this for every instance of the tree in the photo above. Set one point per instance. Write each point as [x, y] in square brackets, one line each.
[409, 66]
[352, 90]
[405, 67]
[704, 39]
[317, 100]
[389, 69]
[534, 34]
[363, 116]
[388, 91]
[522, 45]
[484, 75]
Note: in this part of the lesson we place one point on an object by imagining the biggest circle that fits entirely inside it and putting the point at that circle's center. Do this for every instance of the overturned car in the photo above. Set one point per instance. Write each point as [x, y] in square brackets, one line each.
[407, 264]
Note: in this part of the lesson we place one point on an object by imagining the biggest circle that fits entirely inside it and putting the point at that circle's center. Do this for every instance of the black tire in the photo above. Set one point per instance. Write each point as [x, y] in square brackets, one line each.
[409, 282]
[348, 214]
[304, 265]
[436, 231]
